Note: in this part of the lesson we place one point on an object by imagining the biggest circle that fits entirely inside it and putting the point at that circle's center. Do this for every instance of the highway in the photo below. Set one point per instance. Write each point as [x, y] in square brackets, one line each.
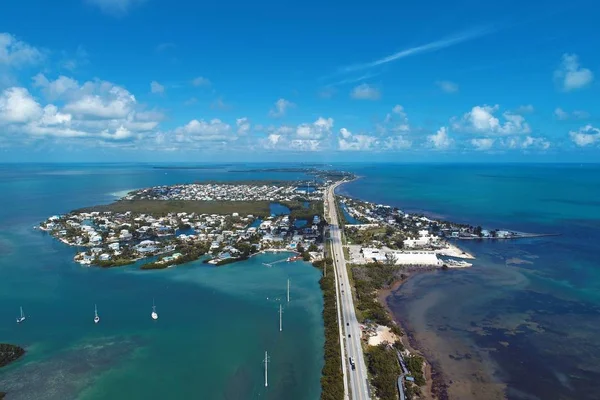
[358, 384]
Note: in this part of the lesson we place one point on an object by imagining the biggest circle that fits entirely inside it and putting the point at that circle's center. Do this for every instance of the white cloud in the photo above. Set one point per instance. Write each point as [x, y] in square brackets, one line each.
[585, 136]
[156, 87]
[57, 88]
[201, 81]
[562, 115]
[15, 53]
[528, 142]
[440, 140]
[349, 142]
[317, 130]
[482, 143]
[280, 108]
[525, 109]
[570, 75]
[243, 125]
[447, 86]
[433, 46]
[345, 133]
[200, 130]
[116, 8]
[305, 145]
[396, 143]
[396, 121]
[365, 92]
[18, 106]
[481, 120]
[96, 109]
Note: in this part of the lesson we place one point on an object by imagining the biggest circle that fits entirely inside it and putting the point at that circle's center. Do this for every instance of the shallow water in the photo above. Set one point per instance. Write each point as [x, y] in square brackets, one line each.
[214, 323]
[522, 322]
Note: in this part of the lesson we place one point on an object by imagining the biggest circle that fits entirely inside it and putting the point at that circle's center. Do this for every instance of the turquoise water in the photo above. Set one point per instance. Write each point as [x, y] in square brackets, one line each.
[523, 322]
[215, 323]
[278, 209]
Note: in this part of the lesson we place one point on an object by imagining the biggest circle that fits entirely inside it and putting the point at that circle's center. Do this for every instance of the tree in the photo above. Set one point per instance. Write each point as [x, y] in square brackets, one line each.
[477, 231]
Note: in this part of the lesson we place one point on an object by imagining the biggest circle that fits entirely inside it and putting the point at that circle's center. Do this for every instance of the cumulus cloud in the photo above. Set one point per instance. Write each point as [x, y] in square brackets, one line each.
[55, 89]
[201, 81]
[570, 75]
[440, 140]
[95, 109]
[395, 121]
[585, 136]
[482, 120]
[447, 86]
[350, 142]
[16, 53]
[116, 8]
[280, 108]
[18, 106]
[243, 125]
[156, 88]
[527, 142]
[200, 130]
[562, 115]
[317, 130]
[365, 92]
[482, 143]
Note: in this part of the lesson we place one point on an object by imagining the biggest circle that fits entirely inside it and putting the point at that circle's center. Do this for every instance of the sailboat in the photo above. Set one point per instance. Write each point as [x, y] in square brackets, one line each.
[96, 317]
[21, 318]
[154, 313]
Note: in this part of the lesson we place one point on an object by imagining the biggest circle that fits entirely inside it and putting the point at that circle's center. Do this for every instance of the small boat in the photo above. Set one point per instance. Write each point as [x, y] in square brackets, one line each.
[154, 313]
[96, 317]
[21, 318]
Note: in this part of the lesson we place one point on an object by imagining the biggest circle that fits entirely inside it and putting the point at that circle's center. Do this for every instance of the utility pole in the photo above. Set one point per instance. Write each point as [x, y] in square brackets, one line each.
[280, 318]
[288, 292]
[266, 360]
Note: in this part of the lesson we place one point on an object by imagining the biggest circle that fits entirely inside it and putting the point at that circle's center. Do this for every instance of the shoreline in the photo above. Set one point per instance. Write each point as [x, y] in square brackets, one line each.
[435, 386]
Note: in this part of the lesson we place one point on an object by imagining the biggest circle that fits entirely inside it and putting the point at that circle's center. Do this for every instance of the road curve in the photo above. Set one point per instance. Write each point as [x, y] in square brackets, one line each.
[358, 378]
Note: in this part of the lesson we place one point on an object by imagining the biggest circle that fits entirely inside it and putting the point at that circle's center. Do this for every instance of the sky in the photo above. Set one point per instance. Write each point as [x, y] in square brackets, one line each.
[157, 80]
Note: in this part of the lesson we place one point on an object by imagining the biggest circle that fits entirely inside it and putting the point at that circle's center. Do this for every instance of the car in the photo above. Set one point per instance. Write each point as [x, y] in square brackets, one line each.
[347, 323]
[352, 363]
[349, 335]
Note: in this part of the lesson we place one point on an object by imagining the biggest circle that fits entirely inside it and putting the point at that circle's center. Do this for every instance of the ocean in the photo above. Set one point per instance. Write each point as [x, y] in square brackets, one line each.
[214, 326]
[523, 322]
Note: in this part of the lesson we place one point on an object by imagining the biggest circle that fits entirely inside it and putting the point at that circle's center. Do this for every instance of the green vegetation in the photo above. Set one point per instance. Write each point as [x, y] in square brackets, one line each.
[332, 384]
[383, 366]
[298, 210]
[367, 280]
[414, 363]
[118, 262]
[164, 207]
[9, 353]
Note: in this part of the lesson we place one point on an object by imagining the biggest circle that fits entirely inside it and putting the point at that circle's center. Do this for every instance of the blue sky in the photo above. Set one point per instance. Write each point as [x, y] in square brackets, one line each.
[144, 80]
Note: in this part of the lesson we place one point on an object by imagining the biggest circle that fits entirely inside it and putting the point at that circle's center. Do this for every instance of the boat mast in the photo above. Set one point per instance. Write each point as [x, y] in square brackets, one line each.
[266, 360]
[280, 317]
[288, 291]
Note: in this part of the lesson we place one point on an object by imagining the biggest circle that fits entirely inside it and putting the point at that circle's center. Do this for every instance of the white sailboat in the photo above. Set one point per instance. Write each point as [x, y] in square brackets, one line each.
[96, 317]
[21, 318]
[154, 313]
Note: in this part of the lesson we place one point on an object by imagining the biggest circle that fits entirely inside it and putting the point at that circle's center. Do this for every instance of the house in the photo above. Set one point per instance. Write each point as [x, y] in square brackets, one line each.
[114, 246]
[104, 257]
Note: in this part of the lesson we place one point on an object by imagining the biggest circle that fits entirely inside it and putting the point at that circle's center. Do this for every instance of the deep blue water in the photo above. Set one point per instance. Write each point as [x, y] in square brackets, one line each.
[525, 319]
[278, 209]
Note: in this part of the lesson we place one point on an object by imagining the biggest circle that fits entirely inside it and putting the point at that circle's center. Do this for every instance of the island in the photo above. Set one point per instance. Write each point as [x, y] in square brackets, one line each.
[165, 226]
